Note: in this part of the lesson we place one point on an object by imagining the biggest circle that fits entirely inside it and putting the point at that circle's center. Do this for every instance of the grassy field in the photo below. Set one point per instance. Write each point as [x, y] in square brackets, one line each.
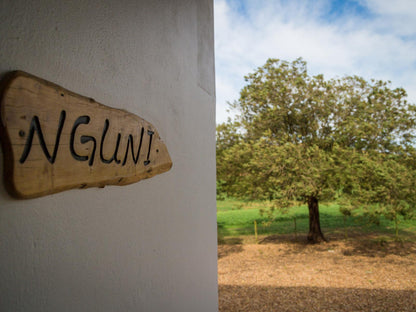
[236, 218]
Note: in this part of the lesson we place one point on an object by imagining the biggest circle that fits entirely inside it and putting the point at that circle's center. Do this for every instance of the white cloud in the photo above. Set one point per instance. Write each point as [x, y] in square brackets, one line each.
[381, 46]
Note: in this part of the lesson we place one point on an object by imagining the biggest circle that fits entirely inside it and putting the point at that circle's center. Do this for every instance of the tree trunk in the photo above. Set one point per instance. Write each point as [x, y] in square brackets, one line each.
[315, 234]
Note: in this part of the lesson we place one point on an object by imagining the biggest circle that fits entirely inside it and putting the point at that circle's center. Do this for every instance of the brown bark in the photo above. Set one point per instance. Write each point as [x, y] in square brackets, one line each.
[315, 234]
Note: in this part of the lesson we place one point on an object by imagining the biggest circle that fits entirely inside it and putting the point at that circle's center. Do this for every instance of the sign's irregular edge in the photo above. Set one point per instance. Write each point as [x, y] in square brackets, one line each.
[9, 157]
[5, 140]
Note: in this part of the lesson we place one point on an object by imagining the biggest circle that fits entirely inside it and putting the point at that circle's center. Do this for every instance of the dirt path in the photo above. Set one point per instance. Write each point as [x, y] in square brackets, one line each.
[355, 275]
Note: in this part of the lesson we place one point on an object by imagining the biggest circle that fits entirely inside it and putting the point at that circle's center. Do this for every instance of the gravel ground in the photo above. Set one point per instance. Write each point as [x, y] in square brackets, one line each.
[361, 274]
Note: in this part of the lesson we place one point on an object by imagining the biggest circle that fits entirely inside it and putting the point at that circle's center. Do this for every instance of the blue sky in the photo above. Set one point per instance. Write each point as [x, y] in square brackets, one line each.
[369, 38]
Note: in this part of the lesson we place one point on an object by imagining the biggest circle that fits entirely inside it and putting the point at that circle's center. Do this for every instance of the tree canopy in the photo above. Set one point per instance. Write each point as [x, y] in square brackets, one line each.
[301, 138]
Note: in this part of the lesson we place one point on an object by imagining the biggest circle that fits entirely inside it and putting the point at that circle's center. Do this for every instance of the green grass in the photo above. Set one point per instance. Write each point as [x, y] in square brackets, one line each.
[236, 217]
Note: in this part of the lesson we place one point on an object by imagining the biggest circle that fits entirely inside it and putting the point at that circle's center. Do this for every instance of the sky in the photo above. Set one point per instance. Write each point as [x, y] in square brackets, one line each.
[369, 38]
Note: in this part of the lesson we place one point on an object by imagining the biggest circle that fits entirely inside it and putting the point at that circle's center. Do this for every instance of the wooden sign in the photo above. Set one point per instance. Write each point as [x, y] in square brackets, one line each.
[55, 140]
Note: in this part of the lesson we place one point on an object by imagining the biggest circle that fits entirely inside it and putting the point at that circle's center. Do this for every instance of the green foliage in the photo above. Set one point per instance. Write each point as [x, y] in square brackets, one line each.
[282, 102]
[221, 194]
[298, 136]
[385, 185]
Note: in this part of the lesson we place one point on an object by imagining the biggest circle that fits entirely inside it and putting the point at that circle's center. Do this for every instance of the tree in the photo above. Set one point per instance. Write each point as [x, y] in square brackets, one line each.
[294, 134]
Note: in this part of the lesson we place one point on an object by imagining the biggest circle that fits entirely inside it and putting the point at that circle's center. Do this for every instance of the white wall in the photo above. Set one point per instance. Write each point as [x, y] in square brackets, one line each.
[149, 246]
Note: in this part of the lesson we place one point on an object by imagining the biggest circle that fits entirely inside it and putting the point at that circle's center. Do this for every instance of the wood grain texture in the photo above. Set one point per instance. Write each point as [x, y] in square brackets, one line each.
[54, 140]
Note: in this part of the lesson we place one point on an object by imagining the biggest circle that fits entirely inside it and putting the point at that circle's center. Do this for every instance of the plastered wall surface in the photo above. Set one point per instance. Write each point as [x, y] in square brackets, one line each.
[149, 246]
